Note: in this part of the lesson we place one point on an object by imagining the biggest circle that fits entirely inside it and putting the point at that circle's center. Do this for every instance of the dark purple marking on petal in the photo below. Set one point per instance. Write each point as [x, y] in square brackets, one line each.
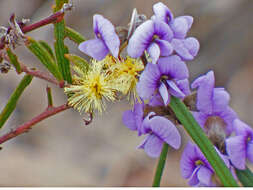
[173, 67]
[141, 39]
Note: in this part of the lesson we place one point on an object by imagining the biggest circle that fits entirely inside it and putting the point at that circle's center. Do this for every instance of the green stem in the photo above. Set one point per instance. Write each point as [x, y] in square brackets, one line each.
[245, 177]
[11, 105]
[49, 97]
[200, 138]
[160, 166]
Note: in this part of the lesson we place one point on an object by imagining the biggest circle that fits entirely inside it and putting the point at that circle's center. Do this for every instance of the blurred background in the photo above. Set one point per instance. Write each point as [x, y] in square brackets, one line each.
[61, 151]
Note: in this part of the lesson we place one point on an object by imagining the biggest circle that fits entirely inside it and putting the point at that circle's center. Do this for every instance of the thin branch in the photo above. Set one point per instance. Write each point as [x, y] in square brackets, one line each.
[28, 125]
[42, 75]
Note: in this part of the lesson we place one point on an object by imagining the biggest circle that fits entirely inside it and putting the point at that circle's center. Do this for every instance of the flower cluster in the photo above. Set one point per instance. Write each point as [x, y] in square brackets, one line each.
[162, 41]
[153, 71]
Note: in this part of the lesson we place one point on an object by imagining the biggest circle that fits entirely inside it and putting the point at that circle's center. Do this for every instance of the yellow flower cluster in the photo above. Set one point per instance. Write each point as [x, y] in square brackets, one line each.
[104, 80]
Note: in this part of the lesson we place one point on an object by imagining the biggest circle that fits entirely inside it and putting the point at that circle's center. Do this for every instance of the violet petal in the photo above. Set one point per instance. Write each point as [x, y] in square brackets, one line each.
[166, 131]
[166, 48]
[174, 90]
[205, 175]
[153, 146]
[162, 12]
[236, 149]
[164, 94]
[94, 48]
[140, 39]
[173, 67]
[129, 120]
[154, 52]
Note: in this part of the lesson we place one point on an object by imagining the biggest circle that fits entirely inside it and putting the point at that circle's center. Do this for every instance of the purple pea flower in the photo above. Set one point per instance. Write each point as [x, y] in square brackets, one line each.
[153, 36]
[161, 131]
[212, 104]
[163, 77]
[195, 167]
[106, 39]
[180, 25]
[240, 147]
[187, 48]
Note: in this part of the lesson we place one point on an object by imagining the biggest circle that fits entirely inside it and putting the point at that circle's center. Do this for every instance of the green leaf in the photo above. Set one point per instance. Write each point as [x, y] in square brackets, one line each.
[45, 58]
[60, 50]
[200, 138]
[78, 61]
[160, 166]
[245, 177]
[11, 105]
[48, 48]
[74, 35]
[14, 60]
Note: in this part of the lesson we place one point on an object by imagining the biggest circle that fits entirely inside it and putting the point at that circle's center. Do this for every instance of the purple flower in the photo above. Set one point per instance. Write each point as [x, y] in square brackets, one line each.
[106, 39]
[180, 25]
[195, 167]
[240, 147]
[212, 104]
[153, 36]
[187, 48]
[163, 77]
[161, 131]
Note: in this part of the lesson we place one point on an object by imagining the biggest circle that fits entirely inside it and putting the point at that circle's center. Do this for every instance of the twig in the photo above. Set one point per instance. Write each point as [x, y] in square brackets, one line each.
[28, 125]
[54, 18]
[42, 75]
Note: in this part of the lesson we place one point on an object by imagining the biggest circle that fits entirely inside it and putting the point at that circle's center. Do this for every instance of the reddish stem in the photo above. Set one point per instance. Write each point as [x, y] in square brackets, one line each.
[42, 75]
[28, 125]
[56, 17]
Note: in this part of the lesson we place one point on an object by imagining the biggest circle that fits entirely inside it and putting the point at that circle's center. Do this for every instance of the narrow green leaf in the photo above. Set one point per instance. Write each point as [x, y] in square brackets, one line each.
[200, 138]
[78, 61]
[49, 97]
[58, 4]
[11, 105]
[60, 50]
[74, 35]
[45, 58]
[160, 166]
[14, 60]
[245, 177]
[48, 48]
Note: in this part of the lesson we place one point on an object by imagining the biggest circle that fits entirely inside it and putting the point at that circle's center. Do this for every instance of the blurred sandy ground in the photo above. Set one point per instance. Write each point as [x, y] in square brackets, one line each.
[61, 151]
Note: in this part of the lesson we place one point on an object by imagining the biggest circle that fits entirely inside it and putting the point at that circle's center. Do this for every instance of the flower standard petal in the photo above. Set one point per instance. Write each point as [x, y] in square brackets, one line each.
[162, 30]
[153, 146]
[154, 52]
[104, 30]
[236, 149]
[94, 48]
[148, 82]
[173, 67]
[205, 85]
[140, 39]
[187, 164]
[162, 12]
[166, 131]
[164, 94]
[220, 99]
